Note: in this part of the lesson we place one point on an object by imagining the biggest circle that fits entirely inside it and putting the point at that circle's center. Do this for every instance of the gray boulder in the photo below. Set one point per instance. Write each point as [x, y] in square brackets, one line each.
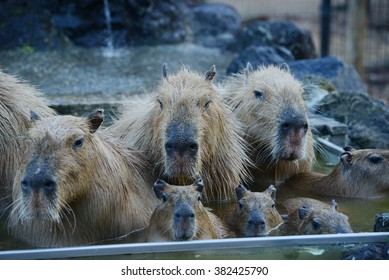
[214, 25]
[341, 75]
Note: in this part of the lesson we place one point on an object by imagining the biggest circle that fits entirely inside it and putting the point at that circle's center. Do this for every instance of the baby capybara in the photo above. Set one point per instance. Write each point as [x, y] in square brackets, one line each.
[256, 213]
[17, 99]
[359, 173]
[186, 131]
[181, 216]
[311, 216]
[269, 102]
[78, 186]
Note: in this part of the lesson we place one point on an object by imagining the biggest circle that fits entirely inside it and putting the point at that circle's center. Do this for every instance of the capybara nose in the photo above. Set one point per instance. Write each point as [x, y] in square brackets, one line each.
[181, 147]
[38, 182]
[256, 221]
[292, 120]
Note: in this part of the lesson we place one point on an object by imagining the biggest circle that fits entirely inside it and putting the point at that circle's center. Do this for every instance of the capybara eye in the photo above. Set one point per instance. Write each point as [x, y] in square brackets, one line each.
[305, 127]
[160, 104]
[78, 143]
[273, 205]
[315, 223]
[199, 197]
[240, 205]
[259, 94]
[375, 158]
[206, 105]
[164, 197]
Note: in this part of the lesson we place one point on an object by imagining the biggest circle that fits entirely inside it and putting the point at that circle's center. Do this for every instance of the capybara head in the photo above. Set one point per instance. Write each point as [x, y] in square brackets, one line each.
[256, 213]
[180, 216]
[315, 217]
[77, 185]
[17, 98]
[187, 131]
[54, 166]
[363, 172]
[269, 102]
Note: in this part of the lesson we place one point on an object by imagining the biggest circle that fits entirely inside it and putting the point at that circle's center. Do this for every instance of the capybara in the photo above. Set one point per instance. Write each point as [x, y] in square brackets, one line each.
[181, 216]
[269, 102]
[256, 213]
[17, 99]
[311, 216]
[359, 173]
[186, 131]
[77, 186]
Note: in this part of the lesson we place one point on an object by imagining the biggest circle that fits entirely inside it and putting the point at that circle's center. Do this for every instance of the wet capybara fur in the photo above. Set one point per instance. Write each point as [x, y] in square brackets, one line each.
[311, 216]
[269, 102]
[78, 186]
[17, 99]
[359, 173]
[181, 216]
[186, 131]
[256, 214]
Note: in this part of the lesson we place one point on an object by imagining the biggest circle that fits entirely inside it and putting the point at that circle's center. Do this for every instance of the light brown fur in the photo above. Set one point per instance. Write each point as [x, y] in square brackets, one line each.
[76, 186]
[359, 173]
[264, 100]
[191, 100]
[311, 216]
[17, 99]
[168, 221]
[253, 209]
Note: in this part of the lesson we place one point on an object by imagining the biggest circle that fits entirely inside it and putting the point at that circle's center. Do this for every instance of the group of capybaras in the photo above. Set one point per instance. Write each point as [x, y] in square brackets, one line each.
[67, 180]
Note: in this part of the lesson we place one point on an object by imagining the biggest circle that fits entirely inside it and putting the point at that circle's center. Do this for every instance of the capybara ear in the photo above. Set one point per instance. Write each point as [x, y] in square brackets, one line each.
[272, 191]
[95, 119]
[303, 213]
[199, 185]
[334, 204]
[34, 116]
[240, 191]
[164, 70]
[345, 158]
[348, 149]
[210, 74]
[159, 187]
[284, 66]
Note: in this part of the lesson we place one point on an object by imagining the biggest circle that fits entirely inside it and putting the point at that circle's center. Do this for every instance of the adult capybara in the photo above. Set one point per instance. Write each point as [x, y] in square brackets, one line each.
[77, 186]
[186, 131]
[311, 216]
[181, 216]
[256, 213]
[17, 99]
[359, 173]
[269, 102]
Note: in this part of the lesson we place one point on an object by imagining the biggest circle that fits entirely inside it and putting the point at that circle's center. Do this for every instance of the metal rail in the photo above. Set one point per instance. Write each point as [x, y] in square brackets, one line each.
[199, 245]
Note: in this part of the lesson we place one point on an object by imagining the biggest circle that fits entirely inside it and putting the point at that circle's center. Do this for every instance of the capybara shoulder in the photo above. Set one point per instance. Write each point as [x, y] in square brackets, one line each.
[78, 186]
[17, 100]
[311, 216]
[269, 102]
[359, 173]
[180, 216]
[256, 213]
[186, 131]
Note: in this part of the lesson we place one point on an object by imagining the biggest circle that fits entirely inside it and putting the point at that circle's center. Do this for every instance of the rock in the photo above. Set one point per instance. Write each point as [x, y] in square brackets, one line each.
[156, 22]
[214, 25]
[381, 222]
[367, 118]
[283, 33]
[27, 25]
[341, 75]
[258, 56]
[368, 252]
